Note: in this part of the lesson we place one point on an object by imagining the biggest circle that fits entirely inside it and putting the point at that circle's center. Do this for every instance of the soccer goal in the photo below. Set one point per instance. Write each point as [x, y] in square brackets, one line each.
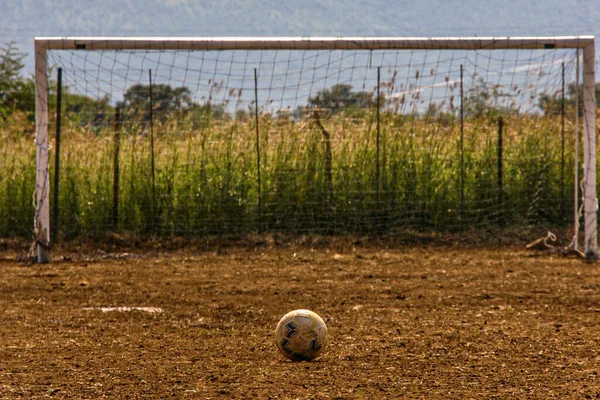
[333, 136]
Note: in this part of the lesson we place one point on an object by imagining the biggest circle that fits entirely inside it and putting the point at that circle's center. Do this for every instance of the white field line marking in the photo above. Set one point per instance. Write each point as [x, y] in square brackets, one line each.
[123, 309]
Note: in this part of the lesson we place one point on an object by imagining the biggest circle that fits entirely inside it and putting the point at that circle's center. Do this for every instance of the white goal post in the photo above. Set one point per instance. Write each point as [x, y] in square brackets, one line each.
[44, 44]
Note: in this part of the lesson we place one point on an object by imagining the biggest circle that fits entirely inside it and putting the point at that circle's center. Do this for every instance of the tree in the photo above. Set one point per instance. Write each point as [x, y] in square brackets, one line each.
[340, 97]
[551, 104]
[16, 92]
[165, 100]
[85, 111]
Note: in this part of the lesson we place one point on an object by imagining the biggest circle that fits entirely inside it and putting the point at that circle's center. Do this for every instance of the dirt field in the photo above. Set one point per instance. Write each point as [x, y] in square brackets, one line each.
[423, 322]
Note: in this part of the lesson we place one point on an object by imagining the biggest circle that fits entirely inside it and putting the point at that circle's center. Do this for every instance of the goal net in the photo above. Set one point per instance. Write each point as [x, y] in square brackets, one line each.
[334, 136]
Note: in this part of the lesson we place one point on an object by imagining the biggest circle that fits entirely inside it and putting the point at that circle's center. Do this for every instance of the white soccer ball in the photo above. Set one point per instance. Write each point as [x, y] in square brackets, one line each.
[301, 335]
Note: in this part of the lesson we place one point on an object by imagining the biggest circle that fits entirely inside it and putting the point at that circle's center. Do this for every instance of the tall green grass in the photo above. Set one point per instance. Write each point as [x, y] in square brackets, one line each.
[17, 182]
[206, 176]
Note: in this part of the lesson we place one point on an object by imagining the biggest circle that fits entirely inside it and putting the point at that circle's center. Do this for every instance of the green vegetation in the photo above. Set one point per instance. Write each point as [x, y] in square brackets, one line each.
[17, 94]
[551, 104]
[165, 100]
[206, 177]
[197, 172]
[340, 97]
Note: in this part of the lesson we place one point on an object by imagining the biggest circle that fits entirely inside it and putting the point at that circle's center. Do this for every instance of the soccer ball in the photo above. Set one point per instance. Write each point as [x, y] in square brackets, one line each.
[301, 335]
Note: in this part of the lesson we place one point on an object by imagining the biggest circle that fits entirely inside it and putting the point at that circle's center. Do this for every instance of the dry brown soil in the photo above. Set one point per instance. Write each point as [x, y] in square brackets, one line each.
[422, 322]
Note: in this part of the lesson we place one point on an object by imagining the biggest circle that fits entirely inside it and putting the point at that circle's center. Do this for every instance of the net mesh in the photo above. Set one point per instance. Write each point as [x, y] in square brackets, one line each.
[326, 142]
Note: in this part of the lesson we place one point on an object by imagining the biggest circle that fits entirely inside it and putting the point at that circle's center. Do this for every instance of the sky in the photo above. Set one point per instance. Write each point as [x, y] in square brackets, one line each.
[21, 21]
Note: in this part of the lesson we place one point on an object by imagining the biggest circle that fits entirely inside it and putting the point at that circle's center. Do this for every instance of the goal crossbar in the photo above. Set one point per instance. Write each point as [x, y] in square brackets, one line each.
[313, 43]
[43, 44]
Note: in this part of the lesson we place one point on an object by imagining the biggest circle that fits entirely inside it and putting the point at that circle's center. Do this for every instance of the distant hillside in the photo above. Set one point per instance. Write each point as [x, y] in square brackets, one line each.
[22, 20]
